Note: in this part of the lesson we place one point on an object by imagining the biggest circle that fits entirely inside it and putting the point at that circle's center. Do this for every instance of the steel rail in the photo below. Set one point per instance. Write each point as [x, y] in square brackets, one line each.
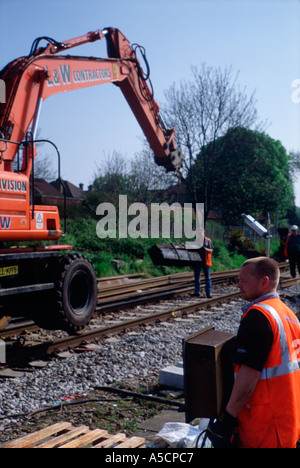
[152, 293]
[51, 347]
[86, 337]
[285, 283]
[158, 291]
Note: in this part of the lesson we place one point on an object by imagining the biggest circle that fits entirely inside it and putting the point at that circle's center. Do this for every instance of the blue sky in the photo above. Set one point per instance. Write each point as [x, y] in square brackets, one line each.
[259, 38]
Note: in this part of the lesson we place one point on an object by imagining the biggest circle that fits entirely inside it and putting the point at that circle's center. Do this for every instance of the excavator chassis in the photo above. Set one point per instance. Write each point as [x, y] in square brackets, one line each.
[57, 291]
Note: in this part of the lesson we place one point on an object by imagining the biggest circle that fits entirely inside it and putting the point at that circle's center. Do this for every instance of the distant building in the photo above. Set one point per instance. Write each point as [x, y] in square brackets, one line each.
[52, 193]
[173, 194]
[72, 192]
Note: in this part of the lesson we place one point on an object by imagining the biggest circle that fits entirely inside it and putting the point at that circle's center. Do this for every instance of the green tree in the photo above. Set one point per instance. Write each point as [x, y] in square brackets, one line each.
[244, 172]
[137, 178]
[111, 178]
[295, 162]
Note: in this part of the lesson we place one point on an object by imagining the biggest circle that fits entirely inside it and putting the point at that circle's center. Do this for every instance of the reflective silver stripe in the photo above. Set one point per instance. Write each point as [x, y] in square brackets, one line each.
[287, 366]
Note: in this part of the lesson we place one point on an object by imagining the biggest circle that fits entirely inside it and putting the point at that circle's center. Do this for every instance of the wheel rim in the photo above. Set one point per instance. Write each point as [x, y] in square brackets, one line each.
[79, 292]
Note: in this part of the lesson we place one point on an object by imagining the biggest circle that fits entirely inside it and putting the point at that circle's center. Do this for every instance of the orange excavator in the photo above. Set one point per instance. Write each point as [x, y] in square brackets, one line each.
[54, 287]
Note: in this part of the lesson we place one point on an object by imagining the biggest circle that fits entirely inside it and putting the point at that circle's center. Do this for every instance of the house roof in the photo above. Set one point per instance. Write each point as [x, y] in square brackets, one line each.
[177, 189]
[71, 190]
[44, 188]
[53, 189]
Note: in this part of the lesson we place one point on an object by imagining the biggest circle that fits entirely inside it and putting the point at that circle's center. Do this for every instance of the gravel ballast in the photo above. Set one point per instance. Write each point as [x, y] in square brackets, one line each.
[135, 354]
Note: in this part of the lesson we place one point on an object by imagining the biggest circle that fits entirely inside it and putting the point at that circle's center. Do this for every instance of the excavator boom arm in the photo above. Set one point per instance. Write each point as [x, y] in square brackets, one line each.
[32, 79]
[68, 281]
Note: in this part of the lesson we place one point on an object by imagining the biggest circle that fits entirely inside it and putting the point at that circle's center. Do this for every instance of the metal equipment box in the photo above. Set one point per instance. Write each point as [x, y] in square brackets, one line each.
[208, 372]
[174, 255]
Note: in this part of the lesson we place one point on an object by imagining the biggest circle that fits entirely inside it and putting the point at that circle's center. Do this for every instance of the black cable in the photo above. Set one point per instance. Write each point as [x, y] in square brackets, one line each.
[139, 395]
[36, 42]
[203, 433]
[142, 50]
[63, 404]
[143, 77]
[199, 437]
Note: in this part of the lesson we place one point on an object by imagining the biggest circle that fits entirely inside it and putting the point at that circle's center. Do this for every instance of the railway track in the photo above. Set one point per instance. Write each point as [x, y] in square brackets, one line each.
[136, 295]
[115, 296]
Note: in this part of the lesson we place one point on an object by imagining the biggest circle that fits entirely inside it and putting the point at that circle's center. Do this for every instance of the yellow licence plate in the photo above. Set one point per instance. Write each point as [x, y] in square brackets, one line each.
[9, 270]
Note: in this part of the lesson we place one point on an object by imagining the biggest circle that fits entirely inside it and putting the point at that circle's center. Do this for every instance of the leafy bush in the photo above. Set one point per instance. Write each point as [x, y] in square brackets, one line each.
[224, 259]
[132, 254]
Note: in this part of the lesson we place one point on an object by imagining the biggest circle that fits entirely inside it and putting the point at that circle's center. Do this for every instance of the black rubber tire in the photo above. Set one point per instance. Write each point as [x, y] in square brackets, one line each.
[76, 292]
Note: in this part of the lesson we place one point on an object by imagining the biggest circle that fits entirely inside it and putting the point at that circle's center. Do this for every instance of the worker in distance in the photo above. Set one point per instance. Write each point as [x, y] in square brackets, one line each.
[292, 250]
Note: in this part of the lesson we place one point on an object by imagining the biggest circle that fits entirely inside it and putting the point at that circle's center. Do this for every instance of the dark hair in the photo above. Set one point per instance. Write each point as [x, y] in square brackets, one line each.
[264, 266]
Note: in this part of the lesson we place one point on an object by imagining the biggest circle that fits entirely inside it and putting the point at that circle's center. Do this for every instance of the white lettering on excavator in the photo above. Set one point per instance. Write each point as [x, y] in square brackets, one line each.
[91, 75]
[12, 186]
[63, 75]
[5, 222]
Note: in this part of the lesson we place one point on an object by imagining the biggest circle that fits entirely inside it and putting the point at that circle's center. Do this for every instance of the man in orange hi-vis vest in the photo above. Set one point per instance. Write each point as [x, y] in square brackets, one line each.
[205, 265]
[263, 410]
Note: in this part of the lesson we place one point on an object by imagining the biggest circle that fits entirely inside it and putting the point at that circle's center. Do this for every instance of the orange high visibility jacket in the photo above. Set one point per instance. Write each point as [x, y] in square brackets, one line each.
[208, 260]
[285, 252]
[271, 417]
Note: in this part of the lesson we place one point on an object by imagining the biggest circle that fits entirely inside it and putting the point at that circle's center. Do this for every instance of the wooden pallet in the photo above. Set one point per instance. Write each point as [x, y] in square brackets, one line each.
[64, 435]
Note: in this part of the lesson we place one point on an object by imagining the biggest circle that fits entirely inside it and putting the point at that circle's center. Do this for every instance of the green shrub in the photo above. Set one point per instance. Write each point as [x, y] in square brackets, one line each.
[132, 254]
